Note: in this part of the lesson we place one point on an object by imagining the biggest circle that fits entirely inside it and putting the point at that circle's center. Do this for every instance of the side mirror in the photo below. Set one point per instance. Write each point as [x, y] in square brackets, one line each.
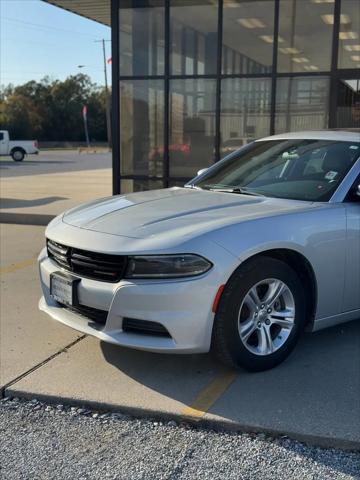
[357, 191]
[200, 172]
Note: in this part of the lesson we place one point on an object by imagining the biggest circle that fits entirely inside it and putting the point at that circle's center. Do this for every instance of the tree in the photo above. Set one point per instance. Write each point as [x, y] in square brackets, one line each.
[21, 117]
[51, 110]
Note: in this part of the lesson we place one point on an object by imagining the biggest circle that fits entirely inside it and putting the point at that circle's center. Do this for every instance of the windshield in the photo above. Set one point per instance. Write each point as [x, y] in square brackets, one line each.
[295, 169]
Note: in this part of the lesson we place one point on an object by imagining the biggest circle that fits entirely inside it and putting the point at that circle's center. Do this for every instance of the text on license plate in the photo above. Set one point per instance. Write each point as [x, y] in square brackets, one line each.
[62, 288]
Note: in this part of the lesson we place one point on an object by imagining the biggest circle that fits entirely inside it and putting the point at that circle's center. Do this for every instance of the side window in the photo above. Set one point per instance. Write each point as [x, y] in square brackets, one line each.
[1, 136]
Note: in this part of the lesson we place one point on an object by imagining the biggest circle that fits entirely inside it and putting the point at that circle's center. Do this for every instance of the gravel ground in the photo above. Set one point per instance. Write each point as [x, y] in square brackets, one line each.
[40, 441]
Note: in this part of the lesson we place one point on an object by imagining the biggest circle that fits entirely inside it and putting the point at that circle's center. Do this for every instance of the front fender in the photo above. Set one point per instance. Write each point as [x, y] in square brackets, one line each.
[318, 235]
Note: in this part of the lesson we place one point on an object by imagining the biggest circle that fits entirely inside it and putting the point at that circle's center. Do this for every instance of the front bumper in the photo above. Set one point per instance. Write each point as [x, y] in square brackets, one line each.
[183, 307]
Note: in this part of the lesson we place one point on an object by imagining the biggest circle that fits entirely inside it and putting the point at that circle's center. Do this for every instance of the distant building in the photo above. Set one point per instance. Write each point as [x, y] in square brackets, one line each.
[194, 79]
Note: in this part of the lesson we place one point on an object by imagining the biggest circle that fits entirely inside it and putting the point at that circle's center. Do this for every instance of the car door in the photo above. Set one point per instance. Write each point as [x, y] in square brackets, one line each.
[352, 276]
[3, 144]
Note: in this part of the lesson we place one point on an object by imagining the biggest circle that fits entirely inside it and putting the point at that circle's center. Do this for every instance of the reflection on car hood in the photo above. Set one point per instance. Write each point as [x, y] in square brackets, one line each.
[178, 211]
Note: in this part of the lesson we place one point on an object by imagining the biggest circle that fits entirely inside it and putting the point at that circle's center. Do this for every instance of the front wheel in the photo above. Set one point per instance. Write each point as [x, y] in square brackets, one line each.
[261, 315]
[18, 155]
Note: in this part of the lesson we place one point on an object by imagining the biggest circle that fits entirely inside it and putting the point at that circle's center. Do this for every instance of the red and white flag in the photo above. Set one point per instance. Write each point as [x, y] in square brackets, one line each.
[85, 111]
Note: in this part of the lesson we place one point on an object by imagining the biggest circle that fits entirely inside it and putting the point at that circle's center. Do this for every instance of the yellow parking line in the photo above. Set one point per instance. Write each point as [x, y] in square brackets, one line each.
[208, 396]
[18, 266]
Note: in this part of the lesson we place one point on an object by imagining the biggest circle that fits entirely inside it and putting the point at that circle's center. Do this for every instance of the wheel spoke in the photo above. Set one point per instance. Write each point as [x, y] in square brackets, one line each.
[249, 302]
[246, 329]
[284, 318]
[276, 289]
[254, 297]
[265, 344]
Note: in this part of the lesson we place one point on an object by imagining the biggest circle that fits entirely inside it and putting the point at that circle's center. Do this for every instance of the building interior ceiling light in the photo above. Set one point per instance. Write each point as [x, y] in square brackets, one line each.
[329, 19]
[311, 68]
[352, 48]
[289, 50]
[231, 3]
[300, 60]
[348, 35]
[270, 38]
[251, 22]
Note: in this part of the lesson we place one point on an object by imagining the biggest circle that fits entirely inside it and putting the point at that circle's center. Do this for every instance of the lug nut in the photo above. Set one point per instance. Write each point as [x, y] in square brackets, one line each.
[269, 310]
[259, 324]
[256, 314]
[267, 321]
[262, 306]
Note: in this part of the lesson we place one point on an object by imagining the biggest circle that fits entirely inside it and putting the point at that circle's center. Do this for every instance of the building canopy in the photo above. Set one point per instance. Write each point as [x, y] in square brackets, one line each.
[98, 10]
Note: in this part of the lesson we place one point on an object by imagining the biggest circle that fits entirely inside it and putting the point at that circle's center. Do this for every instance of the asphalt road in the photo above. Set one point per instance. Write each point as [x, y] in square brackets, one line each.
[39, 441]
[54, 161]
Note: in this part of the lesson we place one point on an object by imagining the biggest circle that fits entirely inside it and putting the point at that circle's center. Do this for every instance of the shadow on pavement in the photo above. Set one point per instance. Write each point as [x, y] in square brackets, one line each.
[20, 203]
[33, 162]
[316, 392]
[171, 375]
[55, 162]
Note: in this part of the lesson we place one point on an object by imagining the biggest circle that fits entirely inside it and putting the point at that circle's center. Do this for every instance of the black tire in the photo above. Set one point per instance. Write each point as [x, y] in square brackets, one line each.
[226, 341]
[18, 154]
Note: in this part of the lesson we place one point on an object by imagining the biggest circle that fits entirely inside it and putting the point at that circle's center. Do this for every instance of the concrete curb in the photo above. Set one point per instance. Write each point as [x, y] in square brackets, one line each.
[26, 218]
[222, 425]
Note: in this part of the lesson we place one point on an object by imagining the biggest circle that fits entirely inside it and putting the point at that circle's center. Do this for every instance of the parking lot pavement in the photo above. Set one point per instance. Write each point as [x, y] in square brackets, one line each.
[313, 396]
[54, 161]
[27, 338]
[315, 393]
[51, 183]
[39, 441]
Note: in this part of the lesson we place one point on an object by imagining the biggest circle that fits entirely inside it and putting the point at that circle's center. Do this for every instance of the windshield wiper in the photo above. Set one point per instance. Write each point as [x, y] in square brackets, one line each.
[239, 190]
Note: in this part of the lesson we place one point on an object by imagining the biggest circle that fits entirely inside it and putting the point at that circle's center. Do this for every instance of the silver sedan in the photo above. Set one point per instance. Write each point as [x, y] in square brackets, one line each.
[257, 248]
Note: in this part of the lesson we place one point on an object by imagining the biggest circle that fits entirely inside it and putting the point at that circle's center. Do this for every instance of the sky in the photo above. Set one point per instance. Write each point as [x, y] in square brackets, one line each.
[38, 39]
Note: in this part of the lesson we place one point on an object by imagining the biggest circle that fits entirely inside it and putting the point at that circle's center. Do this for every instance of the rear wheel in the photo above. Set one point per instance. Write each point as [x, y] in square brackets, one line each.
[260, 316]
[18, 155]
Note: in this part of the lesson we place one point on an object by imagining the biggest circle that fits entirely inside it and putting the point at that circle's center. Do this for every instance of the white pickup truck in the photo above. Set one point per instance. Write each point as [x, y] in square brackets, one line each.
[17, 149]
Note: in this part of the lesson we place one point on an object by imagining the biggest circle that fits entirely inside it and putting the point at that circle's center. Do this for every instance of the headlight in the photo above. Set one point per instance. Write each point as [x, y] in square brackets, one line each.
[166, 266]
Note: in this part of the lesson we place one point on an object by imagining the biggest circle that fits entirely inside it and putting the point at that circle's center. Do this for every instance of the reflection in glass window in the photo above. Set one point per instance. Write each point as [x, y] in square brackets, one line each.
[176, 183]
[305, 30]
[248, 36]
[142, 127]
[135, 185]
[245, 111]
[193, 31]
[301, 103]
[348, 107]
[142, 39]
[192, 126]
[349, 34]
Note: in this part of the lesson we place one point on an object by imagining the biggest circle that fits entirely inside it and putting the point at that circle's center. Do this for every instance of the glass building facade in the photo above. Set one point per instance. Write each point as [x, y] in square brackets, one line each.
[194, 80]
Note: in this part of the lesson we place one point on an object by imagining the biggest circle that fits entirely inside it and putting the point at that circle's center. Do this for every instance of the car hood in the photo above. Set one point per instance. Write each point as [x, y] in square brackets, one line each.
[182, 211]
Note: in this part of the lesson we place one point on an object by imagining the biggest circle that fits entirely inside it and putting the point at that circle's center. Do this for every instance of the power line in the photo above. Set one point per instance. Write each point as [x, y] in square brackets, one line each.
[46, 27]
[15, 40]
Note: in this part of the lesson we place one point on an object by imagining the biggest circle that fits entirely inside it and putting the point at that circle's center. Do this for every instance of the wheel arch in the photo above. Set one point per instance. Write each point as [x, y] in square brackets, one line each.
[22, 149]
[302, 266]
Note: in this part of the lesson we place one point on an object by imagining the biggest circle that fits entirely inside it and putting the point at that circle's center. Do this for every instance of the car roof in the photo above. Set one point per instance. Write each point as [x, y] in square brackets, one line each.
[345, 135]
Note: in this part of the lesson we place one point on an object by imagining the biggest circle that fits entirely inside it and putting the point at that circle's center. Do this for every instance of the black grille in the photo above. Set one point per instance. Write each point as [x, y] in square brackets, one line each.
[99, 266]
[144, 327]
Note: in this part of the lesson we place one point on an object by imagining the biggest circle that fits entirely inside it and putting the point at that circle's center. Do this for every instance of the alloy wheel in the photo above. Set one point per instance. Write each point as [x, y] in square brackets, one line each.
[266, 316]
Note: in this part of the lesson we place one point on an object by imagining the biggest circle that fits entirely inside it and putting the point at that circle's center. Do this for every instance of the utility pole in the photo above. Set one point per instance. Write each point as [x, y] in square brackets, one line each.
[108, 102]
